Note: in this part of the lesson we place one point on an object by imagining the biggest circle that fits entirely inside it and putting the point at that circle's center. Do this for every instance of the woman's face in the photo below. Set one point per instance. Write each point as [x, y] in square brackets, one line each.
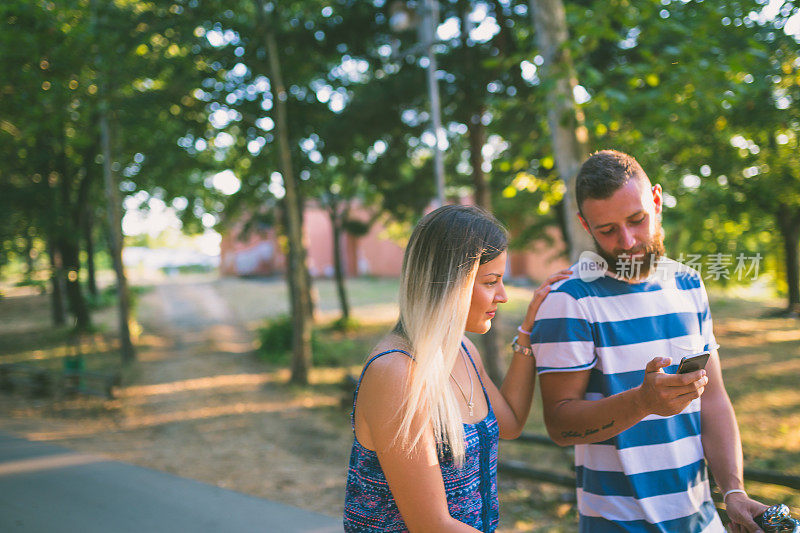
[487, 292]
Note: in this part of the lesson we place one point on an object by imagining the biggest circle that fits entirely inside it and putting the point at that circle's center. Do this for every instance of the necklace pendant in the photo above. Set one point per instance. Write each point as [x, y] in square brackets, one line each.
[471, 405]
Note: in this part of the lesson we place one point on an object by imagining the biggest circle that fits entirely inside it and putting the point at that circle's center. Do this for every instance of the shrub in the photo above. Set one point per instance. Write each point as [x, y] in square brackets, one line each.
[330, 346]
[275, 339]
[345, 325]
[41, 285]
[339, 352]
[107, 297]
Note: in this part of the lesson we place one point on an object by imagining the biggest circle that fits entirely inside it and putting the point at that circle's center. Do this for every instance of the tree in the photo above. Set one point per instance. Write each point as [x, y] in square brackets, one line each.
[296, 269]
[113, 203]
[567, 130]
[710, 118]
[335, 78]
[51, 145]
[766, 146]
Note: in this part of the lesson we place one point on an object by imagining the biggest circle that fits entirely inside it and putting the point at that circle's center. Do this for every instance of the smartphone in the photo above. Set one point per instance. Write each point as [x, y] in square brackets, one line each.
[693, 362]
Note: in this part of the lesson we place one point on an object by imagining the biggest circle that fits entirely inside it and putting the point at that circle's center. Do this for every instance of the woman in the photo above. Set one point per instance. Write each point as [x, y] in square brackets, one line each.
[426, 416]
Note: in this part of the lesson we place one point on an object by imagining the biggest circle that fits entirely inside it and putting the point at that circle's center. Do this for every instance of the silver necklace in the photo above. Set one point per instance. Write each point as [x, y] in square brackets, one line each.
[469, 401]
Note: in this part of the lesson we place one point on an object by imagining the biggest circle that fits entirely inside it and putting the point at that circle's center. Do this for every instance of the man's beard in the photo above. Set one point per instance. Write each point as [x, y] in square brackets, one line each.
[624, 266]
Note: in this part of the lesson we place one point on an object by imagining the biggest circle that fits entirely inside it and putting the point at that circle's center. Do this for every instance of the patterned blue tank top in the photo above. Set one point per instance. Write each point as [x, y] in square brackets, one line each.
[471, 491]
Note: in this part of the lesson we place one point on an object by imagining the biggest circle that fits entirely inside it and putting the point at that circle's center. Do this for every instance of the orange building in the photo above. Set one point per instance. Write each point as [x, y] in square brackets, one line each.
[372, 254]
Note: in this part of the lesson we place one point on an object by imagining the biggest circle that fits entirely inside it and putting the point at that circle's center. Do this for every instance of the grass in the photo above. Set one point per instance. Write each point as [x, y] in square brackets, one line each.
[28, 336]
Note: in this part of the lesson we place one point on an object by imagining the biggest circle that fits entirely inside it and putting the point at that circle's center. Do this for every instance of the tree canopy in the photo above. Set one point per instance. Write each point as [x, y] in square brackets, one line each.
[703, 93]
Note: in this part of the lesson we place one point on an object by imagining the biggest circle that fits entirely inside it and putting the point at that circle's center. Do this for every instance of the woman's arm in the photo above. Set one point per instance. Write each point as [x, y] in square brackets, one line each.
[414, 475]
[512, 401]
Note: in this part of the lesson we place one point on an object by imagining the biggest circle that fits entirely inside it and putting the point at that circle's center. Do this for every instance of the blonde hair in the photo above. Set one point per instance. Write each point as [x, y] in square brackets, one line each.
[439, 268]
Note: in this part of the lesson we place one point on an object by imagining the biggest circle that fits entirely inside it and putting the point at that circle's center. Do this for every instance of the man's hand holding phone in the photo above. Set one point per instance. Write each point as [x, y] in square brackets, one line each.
[669, 394]
[693, 362]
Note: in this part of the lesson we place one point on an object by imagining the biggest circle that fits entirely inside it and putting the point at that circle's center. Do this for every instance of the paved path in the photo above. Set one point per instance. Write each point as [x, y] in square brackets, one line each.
[45, 488]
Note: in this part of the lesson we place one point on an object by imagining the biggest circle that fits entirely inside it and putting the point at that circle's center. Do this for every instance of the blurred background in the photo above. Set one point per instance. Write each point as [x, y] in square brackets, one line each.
[204, 204]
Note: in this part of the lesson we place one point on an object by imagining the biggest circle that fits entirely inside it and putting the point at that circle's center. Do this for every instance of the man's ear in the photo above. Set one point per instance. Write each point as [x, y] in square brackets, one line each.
[584, 223]
[658, 198]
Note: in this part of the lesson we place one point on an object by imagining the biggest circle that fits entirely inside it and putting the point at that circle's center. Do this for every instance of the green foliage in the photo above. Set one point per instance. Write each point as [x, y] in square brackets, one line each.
[187, 269]
[345, 325]
[673, 83]
[344, 351]
[335, 345]
[107, 297]
[41, 285]
[354, 227]
[275, 339]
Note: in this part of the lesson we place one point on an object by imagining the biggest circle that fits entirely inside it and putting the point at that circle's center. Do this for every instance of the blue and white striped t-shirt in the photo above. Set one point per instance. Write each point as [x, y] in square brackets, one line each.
[652, 476]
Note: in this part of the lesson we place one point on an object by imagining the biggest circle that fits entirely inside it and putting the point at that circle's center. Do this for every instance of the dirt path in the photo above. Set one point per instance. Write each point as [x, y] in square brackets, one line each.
[199, 405]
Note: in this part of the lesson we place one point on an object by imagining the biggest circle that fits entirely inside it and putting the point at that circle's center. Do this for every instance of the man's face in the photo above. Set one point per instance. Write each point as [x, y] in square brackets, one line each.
[626, 228]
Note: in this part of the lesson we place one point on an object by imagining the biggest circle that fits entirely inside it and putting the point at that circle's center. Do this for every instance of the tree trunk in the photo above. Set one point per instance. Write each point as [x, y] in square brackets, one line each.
[69, 251]
[476, 131]
[567, 130]
[88, 238]
[115, 239]
[789, 223]
[297, 269]
[338, 267]
[477, 139]
[68, 242]
[57, 281]
[29, 263]
[429, 14]
[311, 295]
[492, 342]
[114, 204]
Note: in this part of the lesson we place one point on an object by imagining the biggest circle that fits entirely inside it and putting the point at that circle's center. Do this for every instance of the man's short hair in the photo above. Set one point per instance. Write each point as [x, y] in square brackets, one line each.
[604, 173]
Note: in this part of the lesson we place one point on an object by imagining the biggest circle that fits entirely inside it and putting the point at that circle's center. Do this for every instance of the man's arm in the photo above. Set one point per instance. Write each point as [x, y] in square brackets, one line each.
[572, 420]
[722, 447]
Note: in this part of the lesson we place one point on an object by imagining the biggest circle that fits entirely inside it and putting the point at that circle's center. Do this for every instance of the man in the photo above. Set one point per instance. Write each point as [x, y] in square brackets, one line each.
[607, 350]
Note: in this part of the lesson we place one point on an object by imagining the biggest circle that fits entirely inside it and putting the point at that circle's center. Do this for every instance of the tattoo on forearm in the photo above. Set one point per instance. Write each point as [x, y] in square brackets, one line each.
[586, 432]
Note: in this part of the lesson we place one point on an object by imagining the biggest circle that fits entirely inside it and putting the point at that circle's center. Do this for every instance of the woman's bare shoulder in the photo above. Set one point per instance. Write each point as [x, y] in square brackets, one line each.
[392, 367]
[383, 386]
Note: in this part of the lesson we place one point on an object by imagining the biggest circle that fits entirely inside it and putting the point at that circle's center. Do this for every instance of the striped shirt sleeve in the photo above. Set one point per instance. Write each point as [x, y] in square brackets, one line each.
[562, 339]
[706, 323]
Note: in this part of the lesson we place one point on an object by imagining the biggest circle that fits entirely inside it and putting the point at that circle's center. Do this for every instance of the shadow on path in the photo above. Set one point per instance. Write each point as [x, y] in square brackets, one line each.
[47, 488]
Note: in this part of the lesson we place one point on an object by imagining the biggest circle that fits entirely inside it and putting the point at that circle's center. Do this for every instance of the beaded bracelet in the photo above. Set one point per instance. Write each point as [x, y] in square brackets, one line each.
[518, 348]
